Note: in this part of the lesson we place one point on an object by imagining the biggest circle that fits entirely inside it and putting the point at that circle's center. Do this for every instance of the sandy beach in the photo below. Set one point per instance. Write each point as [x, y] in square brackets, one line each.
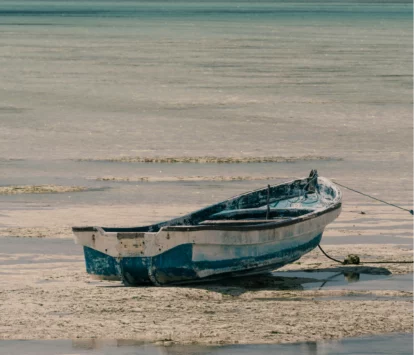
[48, 295]
[55, 300]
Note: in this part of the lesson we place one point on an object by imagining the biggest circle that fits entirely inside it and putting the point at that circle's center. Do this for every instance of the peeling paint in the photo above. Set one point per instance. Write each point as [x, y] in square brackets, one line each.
[231, 237]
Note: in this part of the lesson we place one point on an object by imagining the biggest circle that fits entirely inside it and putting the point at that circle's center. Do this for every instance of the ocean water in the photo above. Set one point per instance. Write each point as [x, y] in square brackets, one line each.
[102, 79]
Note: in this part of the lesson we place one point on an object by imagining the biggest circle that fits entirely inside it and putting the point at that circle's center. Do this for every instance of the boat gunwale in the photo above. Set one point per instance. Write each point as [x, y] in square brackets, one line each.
[270, 225]
[262, 226]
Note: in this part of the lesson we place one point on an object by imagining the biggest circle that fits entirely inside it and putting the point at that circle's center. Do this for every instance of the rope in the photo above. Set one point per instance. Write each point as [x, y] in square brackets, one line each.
[387, 262]
[355, 261]
[374, 198]
[329, 257]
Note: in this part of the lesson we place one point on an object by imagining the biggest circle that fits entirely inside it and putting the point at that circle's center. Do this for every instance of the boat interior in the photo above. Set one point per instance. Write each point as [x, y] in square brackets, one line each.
[267, 205]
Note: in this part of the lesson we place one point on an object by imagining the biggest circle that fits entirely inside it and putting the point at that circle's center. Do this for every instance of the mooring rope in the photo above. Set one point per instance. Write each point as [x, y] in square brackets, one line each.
[374, 198]
[354, 259]
[329, 257]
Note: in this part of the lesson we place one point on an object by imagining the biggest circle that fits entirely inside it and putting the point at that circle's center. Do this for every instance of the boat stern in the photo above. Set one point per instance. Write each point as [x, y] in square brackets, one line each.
[97, 252]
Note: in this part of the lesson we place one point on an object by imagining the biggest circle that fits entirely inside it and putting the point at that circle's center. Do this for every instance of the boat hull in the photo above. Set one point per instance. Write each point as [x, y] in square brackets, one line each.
[232, 238]
[177, 265]
[205, 255]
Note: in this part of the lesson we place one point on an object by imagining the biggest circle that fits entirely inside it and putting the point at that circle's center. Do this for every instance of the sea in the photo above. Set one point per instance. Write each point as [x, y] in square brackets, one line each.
[94, 90]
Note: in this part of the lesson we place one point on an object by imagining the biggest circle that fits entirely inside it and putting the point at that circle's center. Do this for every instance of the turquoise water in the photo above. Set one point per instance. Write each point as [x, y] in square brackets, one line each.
[207, 9]
[100, 79]
[103, 79]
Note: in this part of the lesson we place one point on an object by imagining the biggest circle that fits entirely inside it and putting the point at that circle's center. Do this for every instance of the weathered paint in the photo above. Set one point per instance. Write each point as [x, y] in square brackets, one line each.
[98, 263]
[178, 265]
[185, 249]
[253, 199]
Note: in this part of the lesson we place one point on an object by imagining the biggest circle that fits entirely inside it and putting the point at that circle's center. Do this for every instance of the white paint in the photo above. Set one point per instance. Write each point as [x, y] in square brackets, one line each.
[216, 244]
[157, 243]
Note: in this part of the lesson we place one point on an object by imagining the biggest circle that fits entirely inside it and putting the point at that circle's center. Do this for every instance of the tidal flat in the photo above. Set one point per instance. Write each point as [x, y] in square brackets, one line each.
[161, 108]
[45, 293]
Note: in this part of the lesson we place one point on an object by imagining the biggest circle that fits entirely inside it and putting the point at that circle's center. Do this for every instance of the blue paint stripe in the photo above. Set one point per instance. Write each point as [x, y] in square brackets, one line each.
[176, 264]
[287, 254]
[98, 263]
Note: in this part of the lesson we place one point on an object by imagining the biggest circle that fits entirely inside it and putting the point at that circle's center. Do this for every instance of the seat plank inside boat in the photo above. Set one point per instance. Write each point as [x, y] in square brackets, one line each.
[242, 214]
[242, 221]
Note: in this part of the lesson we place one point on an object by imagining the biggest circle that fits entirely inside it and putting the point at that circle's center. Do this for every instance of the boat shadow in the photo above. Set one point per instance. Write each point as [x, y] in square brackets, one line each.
[298, 280]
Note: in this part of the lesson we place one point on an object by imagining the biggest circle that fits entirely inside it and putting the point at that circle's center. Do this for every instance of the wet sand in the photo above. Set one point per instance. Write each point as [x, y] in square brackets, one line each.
[45, 292]
[49, 296]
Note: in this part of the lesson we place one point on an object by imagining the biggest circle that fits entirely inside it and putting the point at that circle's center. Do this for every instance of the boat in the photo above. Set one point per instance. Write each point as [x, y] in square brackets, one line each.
[252, 233]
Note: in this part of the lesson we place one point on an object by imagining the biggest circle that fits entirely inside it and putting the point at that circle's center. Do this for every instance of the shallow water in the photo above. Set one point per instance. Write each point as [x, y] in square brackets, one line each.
[398, 344]
[39, 246]
[181, 184]
[98, 80]
[94, 79]
[373, 279]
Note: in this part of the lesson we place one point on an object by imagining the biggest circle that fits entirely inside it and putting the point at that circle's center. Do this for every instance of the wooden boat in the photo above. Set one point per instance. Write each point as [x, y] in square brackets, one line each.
[255, 232]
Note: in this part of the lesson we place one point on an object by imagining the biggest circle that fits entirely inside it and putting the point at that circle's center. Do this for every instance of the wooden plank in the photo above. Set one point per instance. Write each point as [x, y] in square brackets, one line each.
[243, 221]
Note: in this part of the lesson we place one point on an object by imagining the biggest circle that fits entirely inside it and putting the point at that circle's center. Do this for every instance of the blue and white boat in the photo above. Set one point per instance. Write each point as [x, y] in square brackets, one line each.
[256, 232]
